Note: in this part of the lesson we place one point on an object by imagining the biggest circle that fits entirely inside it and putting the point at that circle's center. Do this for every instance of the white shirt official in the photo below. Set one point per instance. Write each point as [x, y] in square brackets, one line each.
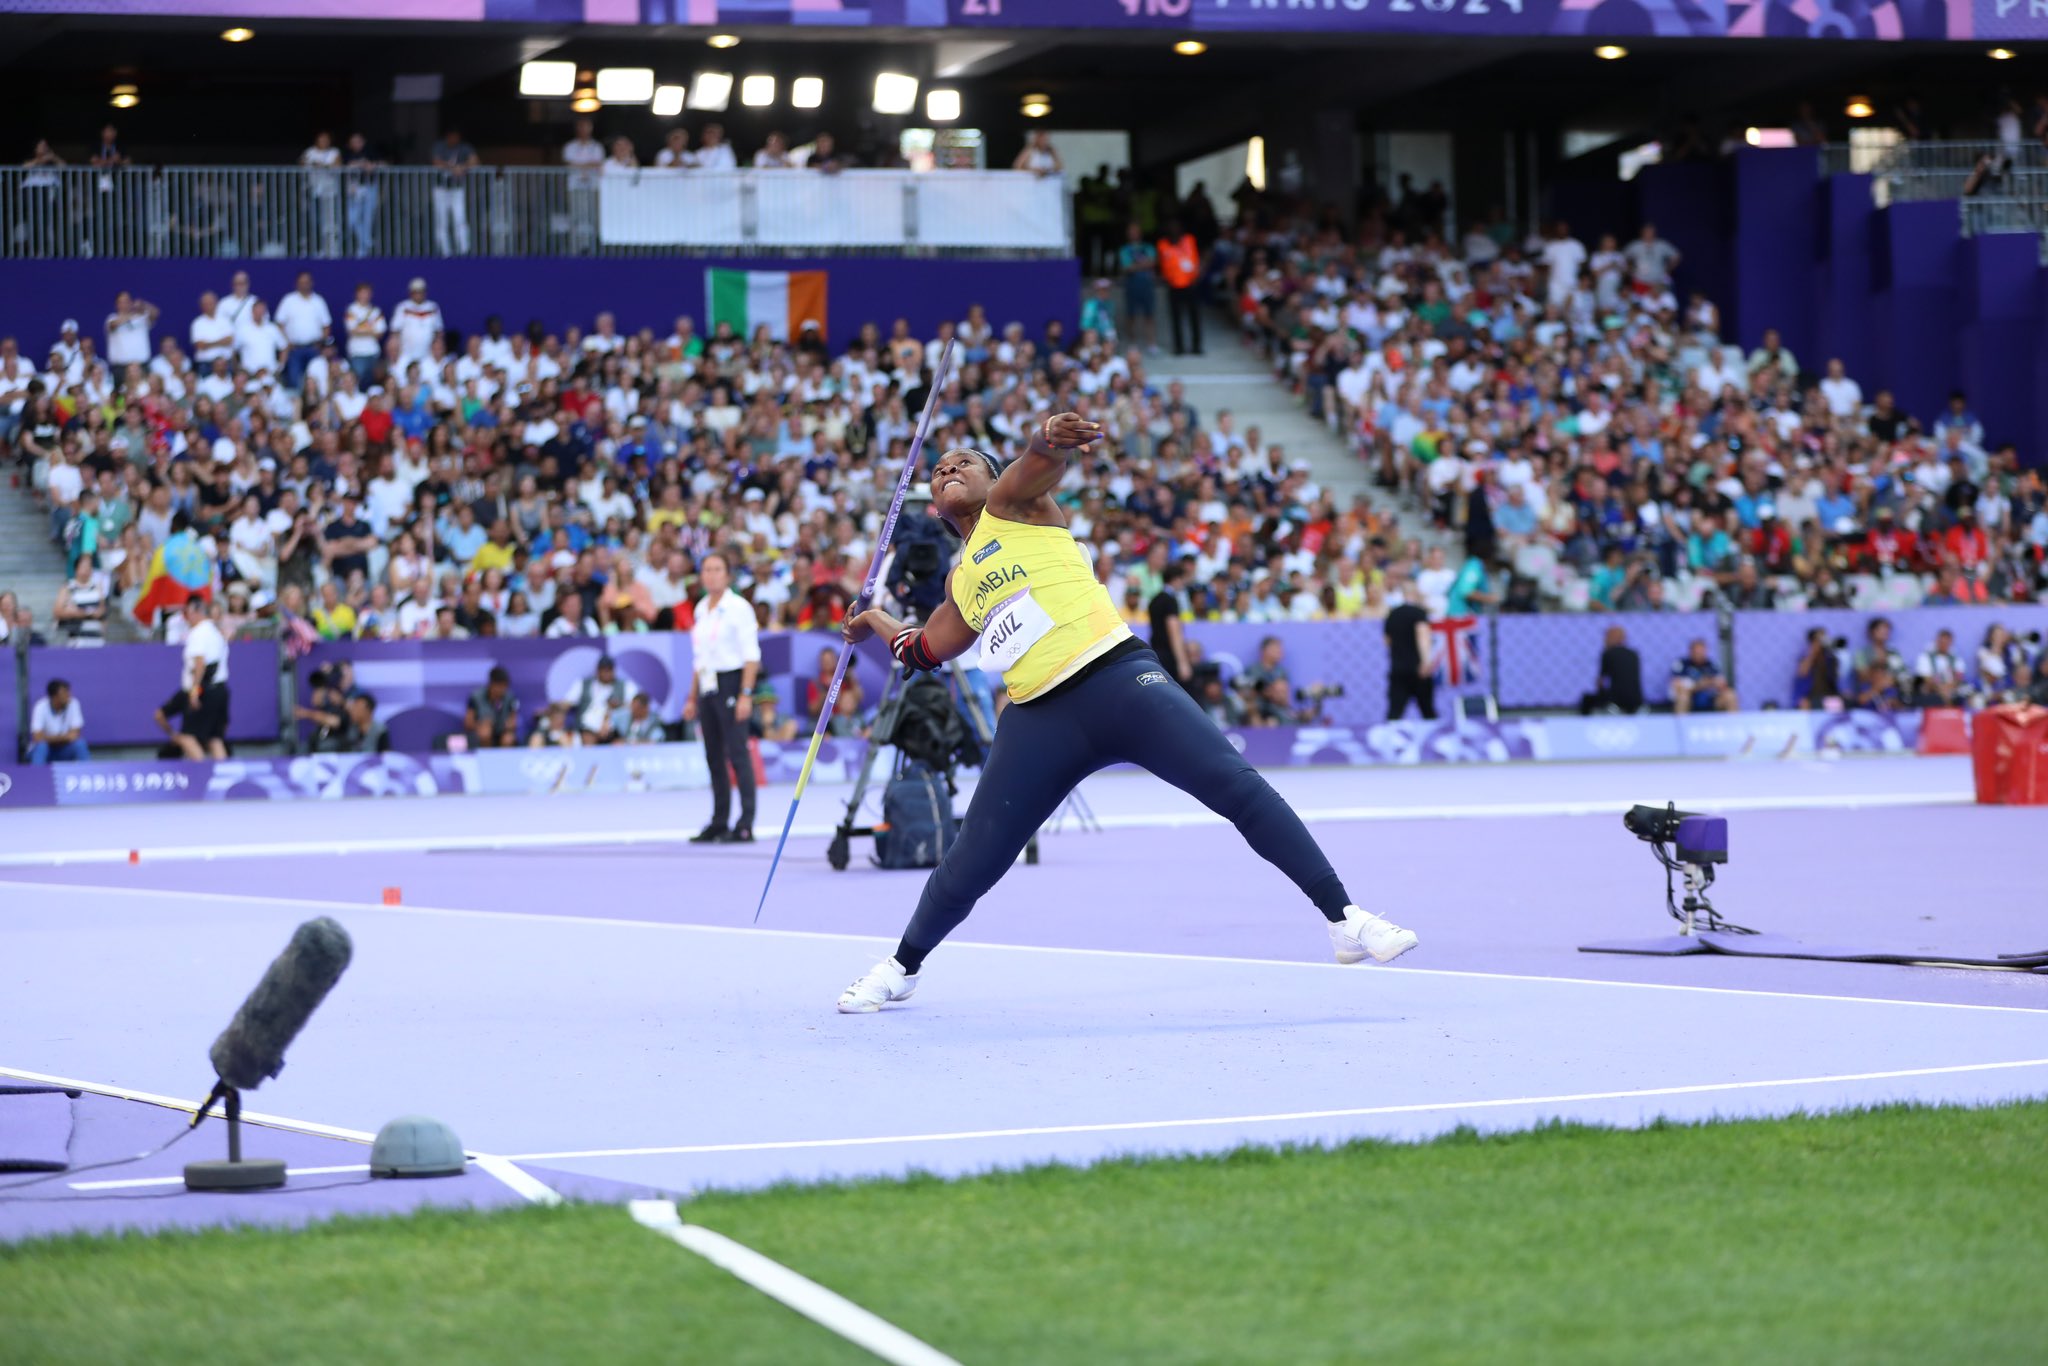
[205, 644]
[723, 638]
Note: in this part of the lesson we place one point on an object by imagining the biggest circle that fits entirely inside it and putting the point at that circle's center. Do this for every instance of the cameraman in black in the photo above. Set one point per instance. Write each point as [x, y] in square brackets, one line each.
[1818, 678]
[327, 709]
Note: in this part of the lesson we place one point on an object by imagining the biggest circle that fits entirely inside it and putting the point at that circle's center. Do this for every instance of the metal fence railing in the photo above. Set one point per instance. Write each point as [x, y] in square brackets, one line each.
[291, 211]
[1944, 170]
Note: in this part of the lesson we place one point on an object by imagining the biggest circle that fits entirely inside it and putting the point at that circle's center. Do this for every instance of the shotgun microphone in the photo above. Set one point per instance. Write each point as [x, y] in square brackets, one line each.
[252, 1047]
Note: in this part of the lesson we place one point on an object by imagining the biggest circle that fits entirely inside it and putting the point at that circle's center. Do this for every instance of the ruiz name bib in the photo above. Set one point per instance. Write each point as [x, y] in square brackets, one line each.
[1012, 627]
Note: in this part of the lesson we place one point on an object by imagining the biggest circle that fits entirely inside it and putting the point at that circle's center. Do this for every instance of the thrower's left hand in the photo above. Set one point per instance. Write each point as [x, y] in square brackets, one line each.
[1070, 432]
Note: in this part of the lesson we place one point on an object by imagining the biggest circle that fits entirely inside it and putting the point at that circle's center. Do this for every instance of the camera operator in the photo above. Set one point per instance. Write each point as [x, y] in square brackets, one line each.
[1938, 679]
[1222, 704]
[1817, 680]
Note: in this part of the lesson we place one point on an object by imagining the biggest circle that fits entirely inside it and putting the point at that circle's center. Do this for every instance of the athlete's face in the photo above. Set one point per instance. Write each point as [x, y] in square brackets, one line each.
[960, 485]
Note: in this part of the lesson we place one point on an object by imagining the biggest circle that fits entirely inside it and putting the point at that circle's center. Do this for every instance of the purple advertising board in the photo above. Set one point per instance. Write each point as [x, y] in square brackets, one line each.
[1884, 20]
[10, 708]
[121, 686]
[640, 291]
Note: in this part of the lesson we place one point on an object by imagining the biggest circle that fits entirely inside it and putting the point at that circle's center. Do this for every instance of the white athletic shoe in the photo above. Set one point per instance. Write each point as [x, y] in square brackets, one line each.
[886, 981]
[1361, 934]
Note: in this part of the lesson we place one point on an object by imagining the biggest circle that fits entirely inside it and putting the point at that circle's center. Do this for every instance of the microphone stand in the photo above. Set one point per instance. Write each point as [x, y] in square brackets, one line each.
[236, 1173]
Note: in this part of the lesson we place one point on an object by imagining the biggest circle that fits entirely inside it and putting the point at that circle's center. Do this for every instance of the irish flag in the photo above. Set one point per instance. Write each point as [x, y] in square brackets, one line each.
[783, 299]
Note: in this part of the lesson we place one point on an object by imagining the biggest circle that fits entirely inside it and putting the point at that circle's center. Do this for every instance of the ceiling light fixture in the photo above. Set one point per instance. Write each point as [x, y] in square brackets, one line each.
[941, 106]
[1610, 52]
[710, 91]
[895, 93]
[757, 92]
[668, 101]
[125, 97]
[807, 92]
[243, 35]
[625, 84]
[1035, 106]
[547, 80]
[723, 40]
[1859, 107]
[1189, 47]
[586, 101]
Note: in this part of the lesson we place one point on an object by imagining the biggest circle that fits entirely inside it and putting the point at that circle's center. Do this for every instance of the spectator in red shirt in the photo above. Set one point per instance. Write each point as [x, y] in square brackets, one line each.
[376, 418]
[1771, 543]
[1890, 545]
[1965, 541]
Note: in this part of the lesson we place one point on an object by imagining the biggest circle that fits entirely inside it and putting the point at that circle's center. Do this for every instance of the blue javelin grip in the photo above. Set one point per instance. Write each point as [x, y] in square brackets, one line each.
[867, 595]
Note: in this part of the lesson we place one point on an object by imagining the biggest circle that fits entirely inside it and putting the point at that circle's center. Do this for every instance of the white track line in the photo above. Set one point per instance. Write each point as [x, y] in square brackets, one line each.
[1294, 1116]
[829, 1310]
[535, 1190]
[1160, 820]
[619, 922]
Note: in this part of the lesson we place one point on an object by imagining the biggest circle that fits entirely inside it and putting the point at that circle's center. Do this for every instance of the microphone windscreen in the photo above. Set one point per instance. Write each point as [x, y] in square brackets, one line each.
[252, 1046]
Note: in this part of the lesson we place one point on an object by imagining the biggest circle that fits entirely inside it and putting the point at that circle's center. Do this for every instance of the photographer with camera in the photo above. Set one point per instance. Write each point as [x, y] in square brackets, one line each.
[1817, 679]
[1938, 677]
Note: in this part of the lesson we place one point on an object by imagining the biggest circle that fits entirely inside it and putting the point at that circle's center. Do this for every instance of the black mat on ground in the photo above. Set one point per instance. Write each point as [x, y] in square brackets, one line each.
[35, 1129]
[1778, 946]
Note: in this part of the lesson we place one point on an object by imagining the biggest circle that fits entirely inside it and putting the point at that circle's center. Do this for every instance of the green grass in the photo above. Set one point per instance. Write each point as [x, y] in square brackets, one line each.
[1896, 1235]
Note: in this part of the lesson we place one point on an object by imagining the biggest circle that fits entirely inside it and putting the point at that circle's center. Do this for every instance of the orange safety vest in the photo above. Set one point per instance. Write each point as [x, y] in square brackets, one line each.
[1179, 261]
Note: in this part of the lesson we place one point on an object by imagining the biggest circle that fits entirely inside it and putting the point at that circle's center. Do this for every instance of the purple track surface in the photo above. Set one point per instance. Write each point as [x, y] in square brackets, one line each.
[603, 1010]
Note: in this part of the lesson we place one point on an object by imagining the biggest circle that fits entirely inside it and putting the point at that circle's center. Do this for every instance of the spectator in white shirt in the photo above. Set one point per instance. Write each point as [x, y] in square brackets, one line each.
[716, 153]
[584, 156]
[239, 300]
[212, 333]
[1565, 255]
[774, 154]
[323, 180]
[128, 331]
[1652, 259]
[205, 684]
[1844, 396]
[419, 322]
[676, 155]
[56, 728]
[623, 160]
[259, 345]
[365, 326]
[307, 326]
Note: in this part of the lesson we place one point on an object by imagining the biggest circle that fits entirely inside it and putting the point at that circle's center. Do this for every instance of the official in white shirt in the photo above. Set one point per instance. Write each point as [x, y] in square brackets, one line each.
[725, 654]
[205, 681]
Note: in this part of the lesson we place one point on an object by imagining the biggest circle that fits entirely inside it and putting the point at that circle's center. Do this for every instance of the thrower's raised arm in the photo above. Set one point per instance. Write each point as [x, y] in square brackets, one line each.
[1039, 470]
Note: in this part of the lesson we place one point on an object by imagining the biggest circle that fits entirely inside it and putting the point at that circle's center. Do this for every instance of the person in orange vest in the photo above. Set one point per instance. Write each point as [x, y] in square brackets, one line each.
[1180, 265]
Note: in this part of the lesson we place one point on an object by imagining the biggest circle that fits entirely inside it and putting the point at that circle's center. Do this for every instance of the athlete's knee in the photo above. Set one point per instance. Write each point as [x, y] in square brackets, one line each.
[1240, 793]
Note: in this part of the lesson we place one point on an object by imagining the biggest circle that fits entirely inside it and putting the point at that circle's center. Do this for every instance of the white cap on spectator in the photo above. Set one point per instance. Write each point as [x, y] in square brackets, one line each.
[1473, 447]
[563, 559]
[70, 325]
[418, 282]
[754, 496]
[223, 450]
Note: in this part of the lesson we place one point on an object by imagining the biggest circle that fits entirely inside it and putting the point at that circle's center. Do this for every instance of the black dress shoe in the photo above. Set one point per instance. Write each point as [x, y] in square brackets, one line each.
[741, 834]
[712, 834]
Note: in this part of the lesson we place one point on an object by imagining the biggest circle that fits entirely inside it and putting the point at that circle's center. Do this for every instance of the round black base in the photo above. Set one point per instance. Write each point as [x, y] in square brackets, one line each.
[250, 1174]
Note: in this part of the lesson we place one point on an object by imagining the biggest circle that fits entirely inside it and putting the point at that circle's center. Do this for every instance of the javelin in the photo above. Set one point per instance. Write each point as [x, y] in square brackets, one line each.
[867, 593]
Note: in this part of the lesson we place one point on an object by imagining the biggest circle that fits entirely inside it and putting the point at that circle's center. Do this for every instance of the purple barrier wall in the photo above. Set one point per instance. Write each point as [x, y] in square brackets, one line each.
[1842, 279]
[121, 686]
[642, 291]
[1552, 661]
[1774, 232]
[10, 709]
[422, 687]
[1693, 210]
[1768, 645]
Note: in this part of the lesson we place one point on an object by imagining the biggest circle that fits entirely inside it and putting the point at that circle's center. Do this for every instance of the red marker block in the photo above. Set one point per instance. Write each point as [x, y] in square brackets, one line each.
[391, 896]
[135, 856]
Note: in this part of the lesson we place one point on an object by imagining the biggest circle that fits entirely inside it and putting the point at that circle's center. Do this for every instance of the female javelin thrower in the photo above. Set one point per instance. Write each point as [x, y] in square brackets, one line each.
[1087, 694]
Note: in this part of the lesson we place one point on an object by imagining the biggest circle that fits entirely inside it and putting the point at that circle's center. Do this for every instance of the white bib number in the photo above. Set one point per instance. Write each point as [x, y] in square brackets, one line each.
[1013, 626]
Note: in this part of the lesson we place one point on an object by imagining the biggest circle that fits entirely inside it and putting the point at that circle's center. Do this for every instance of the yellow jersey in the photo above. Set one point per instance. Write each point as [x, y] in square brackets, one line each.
[1032, 596]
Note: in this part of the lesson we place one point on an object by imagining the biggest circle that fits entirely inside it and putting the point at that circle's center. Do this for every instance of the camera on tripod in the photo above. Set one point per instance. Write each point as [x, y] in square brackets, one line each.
[1316, 692]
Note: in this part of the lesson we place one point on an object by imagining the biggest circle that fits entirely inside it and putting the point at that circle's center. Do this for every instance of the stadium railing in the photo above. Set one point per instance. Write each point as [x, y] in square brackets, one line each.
[410, 211]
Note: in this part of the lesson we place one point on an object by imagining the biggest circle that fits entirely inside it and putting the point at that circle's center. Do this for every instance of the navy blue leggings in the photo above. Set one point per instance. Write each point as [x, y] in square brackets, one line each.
[1128, 710]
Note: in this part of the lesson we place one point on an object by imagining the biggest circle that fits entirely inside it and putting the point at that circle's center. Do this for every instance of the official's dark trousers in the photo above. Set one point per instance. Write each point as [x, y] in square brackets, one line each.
[725, 743]
[1184, 306]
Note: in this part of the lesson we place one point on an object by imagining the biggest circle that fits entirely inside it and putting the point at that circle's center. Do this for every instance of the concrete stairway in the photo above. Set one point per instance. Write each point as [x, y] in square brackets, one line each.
[31, 565]
[1230, 375]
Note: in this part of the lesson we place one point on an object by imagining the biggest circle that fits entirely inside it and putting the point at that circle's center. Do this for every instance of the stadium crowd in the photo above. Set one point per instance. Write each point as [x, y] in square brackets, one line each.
[1595, 443]
[359, 469]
